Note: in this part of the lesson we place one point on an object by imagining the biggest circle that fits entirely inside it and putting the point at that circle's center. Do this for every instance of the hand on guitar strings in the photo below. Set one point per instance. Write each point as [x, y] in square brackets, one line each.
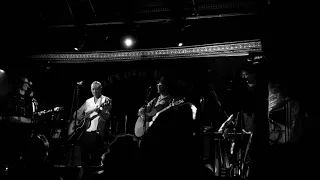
[141, 111]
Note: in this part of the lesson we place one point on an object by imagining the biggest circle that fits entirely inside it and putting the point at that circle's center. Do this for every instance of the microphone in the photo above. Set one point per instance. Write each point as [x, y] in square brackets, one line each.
[148, 93]
[80, 83]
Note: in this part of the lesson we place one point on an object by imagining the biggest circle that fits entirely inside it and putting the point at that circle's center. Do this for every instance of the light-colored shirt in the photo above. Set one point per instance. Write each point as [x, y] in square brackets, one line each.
[90, 105]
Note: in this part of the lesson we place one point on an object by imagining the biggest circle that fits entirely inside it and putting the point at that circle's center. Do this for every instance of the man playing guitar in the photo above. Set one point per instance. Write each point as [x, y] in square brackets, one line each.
[169, 146]
[89, 130]
[155, 105]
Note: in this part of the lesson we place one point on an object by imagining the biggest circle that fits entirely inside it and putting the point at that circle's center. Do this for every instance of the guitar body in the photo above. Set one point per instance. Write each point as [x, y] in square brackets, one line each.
[140, 129]
[74, 134]
[173, 105]
[142, 123]
[75, 131]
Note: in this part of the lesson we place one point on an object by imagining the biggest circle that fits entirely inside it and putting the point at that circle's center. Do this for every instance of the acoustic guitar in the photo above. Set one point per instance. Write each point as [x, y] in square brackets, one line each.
[84, 123]
[140, 129]
[174, 104]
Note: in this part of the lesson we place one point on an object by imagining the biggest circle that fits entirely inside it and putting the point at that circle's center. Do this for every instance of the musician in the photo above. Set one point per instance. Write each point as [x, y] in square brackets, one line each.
[91, 141]
[244, 106]
[154, 106]
[242, 119]
[169, 146]
[18, 122]
[249, 77]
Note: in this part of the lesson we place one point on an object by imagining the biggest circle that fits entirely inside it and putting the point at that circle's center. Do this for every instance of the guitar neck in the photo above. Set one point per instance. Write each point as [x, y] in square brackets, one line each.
[91, 111]
[172, 105]
[95, 109]
[166, 108]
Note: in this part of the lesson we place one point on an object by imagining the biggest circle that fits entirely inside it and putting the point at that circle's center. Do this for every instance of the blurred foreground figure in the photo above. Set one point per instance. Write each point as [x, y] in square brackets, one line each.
[169, 146]
[122, 159]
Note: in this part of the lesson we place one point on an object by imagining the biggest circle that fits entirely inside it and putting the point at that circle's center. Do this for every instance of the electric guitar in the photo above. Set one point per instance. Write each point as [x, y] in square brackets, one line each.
[140, 129]
[56, 109]
[84, 123]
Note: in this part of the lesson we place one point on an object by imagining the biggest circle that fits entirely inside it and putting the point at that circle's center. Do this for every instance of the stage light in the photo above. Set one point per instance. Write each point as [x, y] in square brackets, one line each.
[128, 42]
[4, 85]
[180, 44]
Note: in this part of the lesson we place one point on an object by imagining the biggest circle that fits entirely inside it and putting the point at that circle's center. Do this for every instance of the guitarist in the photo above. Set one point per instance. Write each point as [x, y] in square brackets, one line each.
[18, 127]
[155, 105]
[169, 147]
[91, 141]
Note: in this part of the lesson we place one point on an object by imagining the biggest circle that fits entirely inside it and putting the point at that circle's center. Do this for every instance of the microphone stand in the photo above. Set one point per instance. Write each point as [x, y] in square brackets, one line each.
[75, 123]
[77, 106]
[221, 152]
[217, 100]
[145, 106]
[25, 154]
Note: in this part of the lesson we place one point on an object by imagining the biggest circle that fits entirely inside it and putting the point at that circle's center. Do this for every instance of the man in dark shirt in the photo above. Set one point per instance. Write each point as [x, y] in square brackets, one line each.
[155, 105]
[19, 115]
[168, 147]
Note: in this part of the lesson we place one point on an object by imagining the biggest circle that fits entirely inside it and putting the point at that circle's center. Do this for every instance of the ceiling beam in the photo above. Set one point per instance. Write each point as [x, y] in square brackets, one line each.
[158, 20]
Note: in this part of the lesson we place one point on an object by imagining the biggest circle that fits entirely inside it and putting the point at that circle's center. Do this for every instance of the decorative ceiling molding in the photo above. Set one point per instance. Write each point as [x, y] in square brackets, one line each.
[210, 50]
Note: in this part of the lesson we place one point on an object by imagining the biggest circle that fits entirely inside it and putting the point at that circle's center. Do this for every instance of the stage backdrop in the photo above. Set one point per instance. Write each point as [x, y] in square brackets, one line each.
[127, 83]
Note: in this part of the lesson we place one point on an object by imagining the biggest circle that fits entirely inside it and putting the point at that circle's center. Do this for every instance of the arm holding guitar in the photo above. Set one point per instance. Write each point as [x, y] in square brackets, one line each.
[146, 108]
[105, 111]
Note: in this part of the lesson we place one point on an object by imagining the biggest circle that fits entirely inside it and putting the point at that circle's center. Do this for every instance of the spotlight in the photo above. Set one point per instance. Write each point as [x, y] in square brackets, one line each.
[128, 42]
[180, 44]
[4, 85]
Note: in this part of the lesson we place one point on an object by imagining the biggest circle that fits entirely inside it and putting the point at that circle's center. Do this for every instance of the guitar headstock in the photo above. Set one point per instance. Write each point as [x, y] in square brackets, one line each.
[105, 104]
[178, 102]
[58, 109]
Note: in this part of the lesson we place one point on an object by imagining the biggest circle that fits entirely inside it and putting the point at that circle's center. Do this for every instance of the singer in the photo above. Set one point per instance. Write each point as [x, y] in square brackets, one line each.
[94, 113]
[150, 109]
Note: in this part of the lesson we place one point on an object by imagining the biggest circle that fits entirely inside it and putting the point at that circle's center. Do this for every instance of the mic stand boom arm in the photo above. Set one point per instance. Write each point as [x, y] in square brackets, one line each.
[73, 152]
[217, 100]
[77, 106]
[145, 108]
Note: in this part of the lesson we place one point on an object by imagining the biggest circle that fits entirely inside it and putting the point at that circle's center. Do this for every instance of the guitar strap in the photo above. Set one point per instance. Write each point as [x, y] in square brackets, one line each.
[159, 106]
[155, 102]
[100, 101]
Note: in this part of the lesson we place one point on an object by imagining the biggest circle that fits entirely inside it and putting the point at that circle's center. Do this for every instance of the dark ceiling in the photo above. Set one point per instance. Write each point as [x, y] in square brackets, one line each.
[99, 25]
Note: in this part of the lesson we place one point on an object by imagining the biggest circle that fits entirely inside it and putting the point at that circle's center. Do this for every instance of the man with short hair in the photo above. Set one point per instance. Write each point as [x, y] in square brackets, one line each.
[95, 112]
